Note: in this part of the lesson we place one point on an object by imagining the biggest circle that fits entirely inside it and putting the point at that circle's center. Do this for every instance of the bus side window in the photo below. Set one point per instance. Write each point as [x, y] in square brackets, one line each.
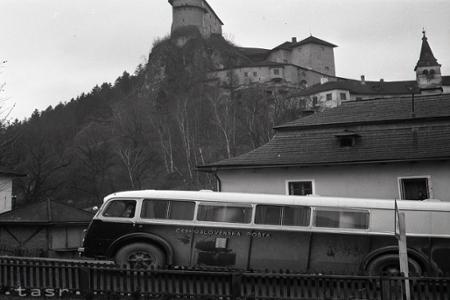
[167, 209]
[181, 210]
[268, 214]
[296, 215]
[120, 209]
[224, 213]
[154, 209]
[341, 219]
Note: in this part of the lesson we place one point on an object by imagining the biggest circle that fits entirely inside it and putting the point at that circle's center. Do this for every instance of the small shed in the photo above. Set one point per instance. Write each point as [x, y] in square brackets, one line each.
[6, 187]
[45, 228]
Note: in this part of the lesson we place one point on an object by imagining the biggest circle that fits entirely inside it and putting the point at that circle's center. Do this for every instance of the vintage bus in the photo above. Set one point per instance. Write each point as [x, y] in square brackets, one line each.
[258, 231]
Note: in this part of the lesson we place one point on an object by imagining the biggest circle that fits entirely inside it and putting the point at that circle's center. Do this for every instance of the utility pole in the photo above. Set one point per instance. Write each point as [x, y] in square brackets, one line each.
[402, 252]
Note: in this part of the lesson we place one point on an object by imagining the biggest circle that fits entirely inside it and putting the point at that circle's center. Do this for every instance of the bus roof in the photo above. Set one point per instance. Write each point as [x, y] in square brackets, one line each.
[210, 196]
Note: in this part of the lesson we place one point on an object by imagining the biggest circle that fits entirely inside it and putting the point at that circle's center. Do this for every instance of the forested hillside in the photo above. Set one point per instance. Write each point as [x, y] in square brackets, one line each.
[147, 130]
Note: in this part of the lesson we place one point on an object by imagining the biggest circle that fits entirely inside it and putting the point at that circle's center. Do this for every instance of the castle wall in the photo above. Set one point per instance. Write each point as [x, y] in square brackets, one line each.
[290, 74]
[195, 13]
[280, 56]
[317, 57]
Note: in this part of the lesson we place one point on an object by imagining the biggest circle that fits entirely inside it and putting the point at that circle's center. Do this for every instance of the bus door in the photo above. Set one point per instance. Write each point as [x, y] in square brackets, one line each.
[220, 239]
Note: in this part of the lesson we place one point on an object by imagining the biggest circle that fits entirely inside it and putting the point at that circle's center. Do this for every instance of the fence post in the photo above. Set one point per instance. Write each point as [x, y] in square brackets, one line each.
[236, 284]
[85, 282]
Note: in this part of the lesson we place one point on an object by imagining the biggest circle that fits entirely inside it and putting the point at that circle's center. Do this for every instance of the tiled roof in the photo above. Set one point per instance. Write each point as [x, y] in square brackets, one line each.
[378, 110]
[426, 55]
[356, 87]
[10, 173]
[46, 212]
[313, 40]
[309, 40]
[312, 141]
[255, 54]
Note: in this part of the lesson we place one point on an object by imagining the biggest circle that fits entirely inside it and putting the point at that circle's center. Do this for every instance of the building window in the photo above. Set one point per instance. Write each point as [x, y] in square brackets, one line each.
[276, 71]
[246, 74]
[415, 188]
[314, 101]
[327, 68]
[285, 61]
[358, 98]
[343, 96]
[300, 188]
[329, 97]
[255, 74]
[347, 139]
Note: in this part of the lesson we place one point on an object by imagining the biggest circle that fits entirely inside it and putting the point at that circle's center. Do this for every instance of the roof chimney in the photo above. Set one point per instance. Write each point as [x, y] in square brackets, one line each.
[363, 79]
[381, 80]
[294, 39]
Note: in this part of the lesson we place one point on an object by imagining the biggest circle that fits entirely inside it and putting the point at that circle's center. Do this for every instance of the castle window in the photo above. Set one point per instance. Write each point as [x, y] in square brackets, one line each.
[329, 97]
[425, 72]
[431, 72]
[343, 96]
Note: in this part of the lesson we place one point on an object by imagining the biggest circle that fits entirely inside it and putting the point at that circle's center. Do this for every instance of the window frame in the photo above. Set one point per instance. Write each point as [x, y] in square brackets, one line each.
[251, 206]
[313, 185]
[168, 210]
[340, 210]
[400, 189]
[137, 209]
[330, 96]
[282, 210]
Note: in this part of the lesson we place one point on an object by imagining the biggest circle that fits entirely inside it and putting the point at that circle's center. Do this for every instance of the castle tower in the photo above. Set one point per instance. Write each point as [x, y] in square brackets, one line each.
[195, 14]
[428, 71]
[316, 54]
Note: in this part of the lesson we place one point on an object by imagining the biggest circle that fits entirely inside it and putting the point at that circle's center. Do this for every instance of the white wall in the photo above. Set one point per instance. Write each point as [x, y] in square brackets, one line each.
[5, 194]
[367, 181]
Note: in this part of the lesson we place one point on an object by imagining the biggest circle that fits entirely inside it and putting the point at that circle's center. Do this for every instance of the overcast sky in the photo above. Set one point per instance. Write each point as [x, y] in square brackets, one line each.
[57, 49]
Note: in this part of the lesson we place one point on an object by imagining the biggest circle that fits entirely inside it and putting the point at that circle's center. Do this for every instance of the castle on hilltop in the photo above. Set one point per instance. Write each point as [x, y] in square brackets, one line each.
[304, 68]
[290, 65]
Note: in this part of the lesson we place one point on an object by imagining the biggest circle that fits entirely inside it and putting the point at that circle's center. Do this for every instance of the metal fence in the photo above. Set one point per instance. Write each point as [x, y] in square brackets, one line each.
[93, 280]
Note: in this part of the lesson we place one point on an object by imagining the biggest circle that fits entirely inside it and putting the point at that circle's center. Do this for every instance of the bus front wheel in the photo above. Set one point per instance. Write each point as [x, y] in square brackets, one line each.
[389, 265]
[140, 256]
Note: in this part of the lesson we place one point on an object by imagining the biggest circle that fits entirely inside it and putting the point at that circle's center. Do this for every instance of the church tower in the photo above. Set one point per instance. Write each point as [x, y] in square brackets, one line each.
[428, 71]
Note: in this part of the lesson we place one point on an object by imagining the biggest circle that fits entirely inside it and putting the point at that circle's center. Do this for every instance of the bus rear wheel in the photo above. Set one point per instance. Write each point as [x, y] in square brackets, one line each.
[389, 265]
[140, 256]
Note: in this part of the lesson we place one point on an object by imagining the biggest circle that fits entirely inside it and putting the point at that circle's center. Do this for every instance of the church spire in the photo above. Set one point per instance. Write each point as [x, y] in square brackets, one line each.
[428, 71]
[426, 58]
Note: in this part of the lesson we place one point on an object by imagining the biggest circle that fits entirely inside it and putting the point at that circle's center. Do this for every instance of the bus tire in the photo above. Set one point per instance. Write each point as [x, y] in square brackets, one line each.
[389, 264]
[140, 256]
